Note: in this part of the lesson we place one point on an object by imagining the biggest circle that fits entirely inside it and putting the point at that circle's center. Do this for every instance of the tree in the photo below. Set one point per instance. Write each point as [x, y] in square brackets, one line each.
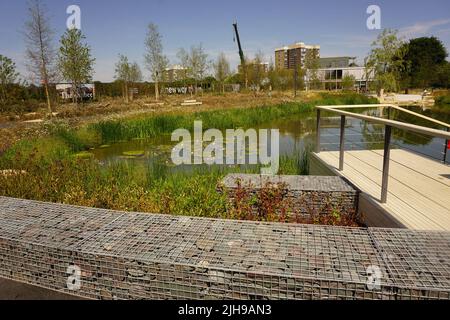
[256, 69]
[195, 61]
[135, 73]
[155, 60]
[443, 76]
[127, 73]
[74, 60]
[8, 75]
[123, 74]
[39, 46]
[312, 65]
[348, 82]
[386, 61]
[222, 70]
[425, 57]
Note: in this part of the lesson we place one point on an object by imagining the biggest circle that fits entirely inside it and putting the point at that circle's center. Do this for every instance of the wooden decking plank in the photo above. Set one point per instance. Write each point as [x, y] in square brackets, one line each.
[395, 206]
[424, 184]
[409, 206]
[424, 165]
[428, 208]
[408, 214]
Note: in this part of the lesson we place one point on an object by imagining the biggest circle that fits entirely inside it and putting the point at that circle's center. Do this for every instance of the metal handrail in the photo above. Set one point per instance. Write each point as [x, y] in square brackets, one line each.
[392, 123]
[389, 124]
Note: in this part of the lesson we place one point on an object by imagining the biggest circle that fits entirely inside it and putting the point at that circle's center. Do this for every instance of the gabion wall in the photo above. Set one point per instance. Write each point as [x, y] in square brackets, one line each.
[305, 195]
[146, 256]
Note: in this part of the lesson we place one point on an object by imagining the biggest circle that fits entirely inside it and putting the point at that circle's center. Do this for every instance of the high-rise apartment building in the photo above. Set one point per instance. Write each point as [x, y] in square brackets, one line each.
[289, 57]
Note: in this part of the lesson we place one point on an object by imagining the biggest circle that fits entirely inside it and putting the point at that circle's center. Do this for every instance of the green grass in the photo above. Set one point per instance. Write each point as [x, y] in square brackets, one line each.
[443, 102]
[298, 164]
[143, 127]
[59, 168]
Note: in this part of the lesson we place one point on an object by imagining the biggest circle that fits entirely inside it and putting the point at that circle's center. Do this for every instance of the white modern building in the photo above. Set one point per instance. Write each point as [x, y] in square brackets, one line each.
[332, 77]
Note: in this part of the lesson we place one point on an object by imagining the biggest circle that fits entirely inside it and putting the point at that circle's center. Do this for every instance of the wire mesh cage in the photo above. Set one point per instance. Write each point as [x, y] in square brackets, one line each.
[102, 254]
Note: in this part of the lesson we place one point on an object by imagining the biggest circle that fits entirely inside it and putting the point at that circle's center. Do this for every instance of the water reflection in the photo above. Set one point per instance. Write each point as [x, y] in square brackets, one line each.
[295, 134]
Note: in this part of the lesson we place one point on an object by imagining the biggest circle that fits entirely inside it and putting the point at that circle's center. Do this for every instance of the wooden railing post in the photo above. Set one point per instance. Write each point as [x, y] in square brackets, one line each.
[386, 158]
[342, 144]
[318, 132]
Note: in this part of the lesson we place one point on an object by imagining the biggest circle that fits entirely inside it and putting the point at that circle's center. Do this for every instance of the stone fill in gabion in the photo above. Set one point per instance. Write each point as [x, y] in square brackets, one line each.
[418, 262]
[148, 256]
[305, 195]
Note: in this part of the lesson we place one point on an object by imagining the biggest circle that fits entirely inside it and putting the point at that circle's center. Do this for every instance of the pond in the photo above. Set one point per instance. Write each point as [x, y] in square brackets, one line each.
[295, 135]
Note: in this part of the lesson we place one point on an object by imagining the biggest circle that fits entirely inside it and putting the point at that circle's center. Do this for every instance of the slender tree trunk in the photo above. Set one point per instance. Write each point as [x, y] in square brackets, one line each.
[3, 93]
[47, 94]
[126, 92]
[74, 92]
[44, 68]
[156, 90]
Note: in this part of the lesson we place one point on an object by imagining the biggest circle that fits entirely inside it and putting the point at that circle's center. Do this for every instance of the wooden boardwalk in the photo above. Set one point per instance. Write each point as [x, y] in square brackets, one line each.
[419, 188]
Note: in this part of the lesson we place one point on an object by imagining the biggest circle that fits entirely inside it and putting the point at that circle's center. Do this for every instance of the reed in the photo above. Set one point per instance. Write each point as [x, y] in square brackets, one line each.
[148, 127]
[47, 169]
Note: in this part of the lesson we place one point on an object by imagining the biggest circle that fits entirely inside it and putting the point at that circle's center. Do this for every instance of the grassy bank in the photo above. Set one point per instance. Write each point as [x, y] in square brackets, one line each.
[443, 102]
[49, 169]
[147, 127]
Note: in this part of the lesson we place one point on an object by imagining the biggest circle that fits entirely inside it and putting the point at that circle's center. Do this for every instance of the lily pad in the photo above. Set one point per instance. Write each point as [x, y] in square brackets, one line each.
[83, 155]
[104, 146]
[136, 153]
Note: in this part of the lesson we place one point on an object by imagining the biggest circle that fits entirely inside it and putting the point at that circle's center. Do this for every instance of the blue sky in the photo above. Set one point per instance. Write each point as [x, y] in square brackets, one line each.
[119, 26]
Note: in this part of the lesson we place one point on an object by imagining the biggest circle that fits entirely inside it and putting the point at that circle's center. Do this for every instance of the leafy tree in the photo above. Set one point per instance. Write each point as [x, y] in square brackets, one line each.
[222, 70]
[425, 57]
[255, 69]
[312, 65]
[348, 82]
[8, 75]
[127, 73]
[135, 73]
[386, 60]
[123, 74]
[195, 61]
[39, 46]
[155, 60]
[74, 60]
[443, 76]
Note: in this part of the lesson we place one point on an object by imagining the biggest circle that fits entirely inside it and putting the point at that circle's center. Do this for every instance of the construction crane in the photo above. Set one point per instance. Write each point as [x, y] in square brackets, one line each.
[241, 53]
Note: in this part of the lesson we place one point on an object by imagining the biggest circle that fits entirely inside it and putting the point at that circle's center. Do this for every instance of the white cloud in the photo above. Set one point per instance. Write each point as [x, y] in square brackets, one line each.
[422, 28]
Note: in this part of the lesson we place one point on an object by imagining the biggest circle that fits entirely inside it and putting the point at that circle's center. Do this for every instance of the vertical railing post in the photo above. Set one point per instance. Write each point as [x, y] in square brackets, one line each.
[318, 132]
[386, 158]
[342, 144]
[445, 148]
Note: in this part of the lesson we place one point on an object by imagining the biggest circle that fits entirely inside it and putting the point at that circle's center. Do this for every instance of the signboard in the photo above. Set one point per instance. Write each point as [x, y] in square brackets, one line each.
[177, 90]
[85, 91]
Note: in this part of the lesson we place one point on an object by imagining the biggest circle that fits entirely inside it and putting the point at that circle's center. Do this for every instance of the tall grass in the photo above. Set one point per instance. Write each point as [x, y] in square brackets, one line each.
[297, 164]
[148, 127]
[48, 170]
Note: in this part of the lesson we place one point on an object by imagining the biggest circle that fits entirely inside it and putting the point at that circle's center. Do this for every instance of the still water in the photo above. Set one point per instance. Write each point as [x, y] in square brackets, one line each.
[296, 134]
